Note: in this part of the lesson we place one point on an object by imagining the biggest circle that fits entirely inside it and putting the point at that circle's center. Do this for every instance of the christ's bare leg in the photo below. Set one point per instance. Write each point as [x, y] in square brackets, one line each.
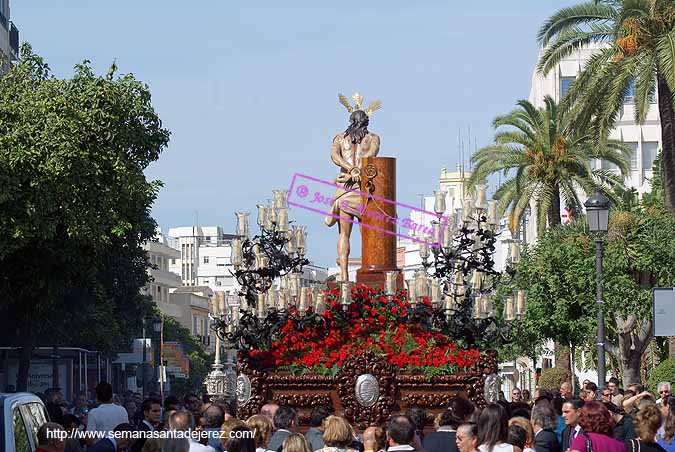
[345, 230]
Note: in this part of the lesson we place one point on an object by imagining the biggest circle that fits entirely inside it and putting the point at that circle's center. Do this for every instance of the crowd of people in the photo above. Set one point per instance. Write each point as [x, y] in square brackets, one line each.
[565, 420]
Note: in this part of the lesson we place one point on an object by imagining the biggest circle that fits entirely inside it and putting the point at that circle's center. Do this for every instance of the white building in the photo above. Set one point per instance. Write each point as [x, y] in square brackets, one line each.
[164, 281]
[9, 38]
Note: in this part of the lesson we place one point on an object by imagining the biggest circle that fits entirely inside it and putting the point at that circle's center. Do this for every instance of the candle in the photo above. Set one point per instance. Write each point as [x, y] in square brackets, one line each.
[221, 303]
[449, 303]
[422, 289]
[261, 305]
[271, 297]
[477, 308]
[301, 235]
[294, 284]
[515, 251]
[486, 305]
[492, 213]
[271, 218]
[235, 315]
[280, 198]
[467, 209]
[447, 235]
[412, 296]
[320, 302]
[291, 244]
[481, 196]
[303, 298]
[243, 304]
[390, 282]
[424, 248]
[508, 309]
[262, 215]
[476, 280]
[345, 293]
[437, 232]
[235, 253]
[520, 308]
[282, 219]
[435, 290]
[439, 204]
[242, 223]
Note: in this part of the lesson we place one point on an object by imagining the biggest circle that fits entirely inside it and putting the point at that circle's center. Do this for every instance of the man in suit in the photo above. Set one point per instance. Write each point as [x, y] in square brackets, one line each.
[445, 438]
[286, 422]
[544, 421]
[122, 440]
[183, 421]
[152, 410]
[570, 413]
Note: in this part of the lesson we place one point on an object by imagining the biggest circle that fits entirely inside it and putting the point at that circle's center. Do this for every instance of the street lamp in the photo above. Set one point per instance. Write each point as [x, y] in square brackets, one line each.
[597, 214]
[158, 326]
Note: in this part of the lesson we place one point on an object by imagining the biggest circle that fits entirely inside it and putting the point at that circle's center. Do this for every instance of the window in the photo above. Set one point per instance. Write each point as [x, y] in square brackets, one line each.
[565, 83]
[609, 165]
[35, 417]
[649, 151]
[634, 155]
[630, 94]
[21, 443]
[194, 324]
[208, 238]
[206, 259]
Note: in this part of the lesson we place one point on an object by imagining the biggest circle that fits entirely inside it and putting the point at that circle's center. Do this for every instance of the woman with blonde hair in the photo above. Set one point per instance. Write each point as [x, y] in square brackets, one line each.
[337, 434]
[647, 422]
[529, 431]
[226, 428]
[295, 443]
[262, 427]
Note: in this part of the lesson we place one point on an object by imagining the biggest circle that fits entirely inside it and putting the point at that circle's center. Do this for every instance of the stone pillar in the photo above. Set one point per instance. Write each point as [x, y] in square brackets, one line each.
[378, 248]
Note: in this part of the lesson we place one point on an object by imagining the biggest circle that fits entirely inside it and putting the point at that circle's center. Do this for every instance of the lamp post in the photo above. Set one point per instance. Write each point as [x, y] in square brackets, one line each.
[597, 214]
[158, 326]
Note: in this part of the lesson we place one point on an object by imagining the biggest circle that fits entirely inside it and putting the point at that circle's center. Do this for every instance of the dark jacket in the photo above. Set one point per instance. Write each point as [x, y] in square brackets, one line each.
[566, 439]
[277, 439]
[546, 441]
[140, 442]
[102, 445]
[625, 430]
[440, 441]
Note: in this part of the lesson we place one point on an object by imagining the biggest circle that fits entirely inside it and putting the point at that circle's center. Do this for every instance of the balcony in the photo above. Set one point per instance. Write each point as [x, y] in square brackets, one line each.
[14, 41]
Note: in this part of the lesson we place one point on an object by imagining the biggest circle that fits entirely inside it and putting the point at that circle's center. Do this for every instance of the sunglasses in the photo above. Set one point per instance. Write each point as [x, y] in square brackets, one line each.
[664, 392]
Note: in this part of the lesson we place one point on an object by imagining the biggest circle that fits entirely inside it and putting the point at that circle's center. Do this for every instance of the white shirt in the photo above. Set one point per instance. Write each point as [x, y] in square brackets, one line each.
[401, 448]
[106, 417]
[152, 429]
[197, 447]
[503, 447]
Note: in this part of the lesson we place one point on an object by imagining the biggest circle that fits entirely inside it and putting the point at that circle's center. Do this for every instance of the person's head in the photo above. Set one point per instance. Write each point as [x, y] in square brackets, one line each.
[104, 392]
[192, 402]
[526, 425]
[664, 389]
[161, 445]
[374, 438]
[47, 439]
[590, 391]
[124, 436]
[81, 400]
[493, 425]
[566, 390]
[613, 385]
[171, 403]
[240, 440]
[457, 412]
[261, 425]
[526, 395]
[182, 421]
[647, 422]
[319, 413]
[616, 411]
[543, 396]
[517, 436]
[419, 417]
[636, 388]
[467, 437]
[228, 427]
[286, 418]
[294, 443]
[131, 408]
[358, 126]
[152, 410]
[594, 417]
[269, 410]
[214, 416]
[229, 412]
[70, 422]
[670, 420]
[401, 430]
[570, 411]
[606, 395]
[337, 432]
[544, 417]
[516, 395]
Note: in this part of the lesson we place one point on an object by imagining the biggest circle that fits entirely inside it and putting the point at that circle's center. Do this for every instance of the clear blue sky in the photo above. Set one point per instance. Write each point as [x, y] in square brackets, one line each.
[249, 88]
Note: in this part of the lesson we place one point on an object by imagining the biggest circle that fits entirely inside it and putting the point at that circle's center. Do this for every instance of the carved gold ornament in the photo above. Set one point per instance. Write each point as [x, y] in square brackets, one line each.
[358, 104]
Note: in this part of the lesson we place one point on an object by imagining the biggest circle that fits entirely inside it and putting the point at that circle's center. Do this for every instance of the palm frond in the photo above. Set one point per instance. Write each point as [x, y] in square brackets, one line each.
[573, 16]
[569, 41]
[665, 51]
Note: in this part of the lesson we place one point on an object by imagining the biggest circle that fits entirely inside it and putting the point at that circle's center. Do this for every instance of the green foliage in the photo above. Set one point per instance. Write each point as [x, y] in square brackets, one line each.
[665, 371]
[200, 361]
[553, 377]
[75, 205]
[546, 162]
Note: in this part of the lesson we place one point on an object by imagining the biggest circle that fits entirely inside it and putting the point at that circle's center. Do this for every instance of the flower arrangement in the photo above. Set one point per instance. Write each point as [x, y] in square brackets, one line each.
[313, 342]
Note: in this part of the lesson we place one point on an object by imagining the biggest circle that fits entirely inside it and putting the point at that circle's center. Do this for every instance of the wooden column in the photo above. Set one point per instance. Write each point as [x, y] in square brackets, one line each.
[378, 248]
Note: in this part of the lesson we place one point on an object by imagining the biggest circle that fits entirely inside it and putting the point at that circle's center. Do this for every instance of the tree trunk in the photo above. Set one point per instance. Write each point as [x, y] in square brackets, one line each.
[553, 213]
[630, 368]
[24, 367]
[561, 352]
[55, 367]
[667, 116]
[671, 347]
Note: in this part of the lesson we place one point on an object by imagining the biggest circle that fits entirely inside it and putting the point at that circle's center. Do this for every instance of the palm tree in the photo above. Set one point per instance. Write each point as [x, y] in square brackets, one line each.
[638, 51]
[545, 160]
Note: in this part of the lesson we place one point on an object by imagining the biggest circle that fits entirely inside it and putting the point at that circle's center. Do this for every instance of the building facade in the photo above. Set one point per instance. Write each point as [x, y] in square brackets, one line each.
[9, 38]
[161, 252]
